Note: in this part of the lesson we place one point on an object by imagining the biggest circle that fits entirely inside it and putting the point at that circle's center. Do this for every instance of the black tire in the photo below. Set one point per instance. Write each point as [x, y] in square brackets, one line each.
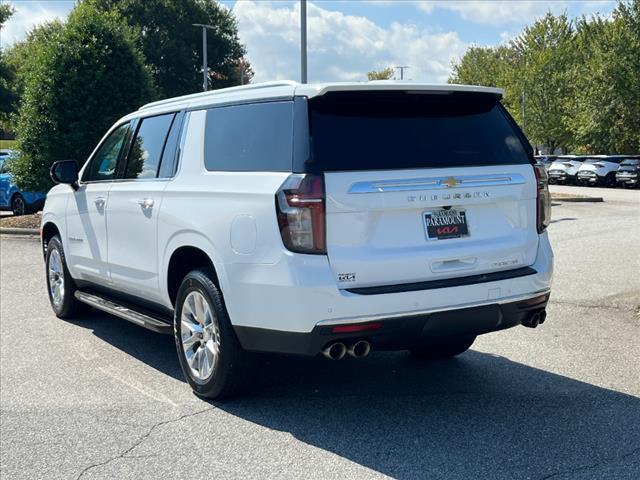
[234, 368]
[445, 347]
[610, 180]
[19, 205]
[69, 306]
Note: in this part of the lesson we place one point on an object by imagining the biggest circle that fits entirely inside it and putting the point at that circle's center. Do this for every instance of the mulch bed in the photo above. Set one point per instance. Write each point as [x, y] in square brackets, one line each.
[23, 221]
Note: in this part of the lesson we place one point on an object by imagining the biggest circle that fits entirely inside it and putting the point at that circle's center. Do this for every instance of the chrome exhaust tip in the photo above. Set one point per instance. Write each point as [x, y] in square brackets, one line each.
[359, 349]
[543, 316]
[335, 351]
[535, 319]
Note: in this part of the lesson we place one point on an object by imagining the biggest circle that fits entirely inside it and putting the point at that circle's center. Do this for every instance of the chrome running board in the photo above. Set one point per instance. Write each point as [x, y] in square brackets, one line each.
[137, 317]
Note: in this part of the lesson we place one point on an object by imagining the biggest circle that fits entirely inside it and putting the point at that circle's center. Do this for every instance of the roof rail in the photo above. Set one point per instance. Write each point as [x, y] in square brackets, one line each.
[194, 96]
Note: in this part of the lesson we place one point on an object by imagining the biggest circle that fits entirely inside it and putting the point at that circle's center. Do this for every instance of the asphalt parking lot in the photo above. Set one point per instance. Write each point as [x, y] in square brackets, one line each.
[101, 398]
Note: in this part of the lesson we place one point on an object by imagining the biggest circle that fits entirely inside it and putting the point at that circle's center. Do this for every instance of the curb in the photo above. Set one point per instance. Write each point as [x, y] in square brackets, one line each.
[20, 231]
[578, 199]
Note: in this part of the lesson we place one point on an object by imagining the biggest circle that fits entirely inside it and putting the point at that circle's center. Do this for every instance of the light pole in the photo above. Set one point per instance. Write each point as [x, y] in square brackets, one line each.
[205, 76]
[303, 41]
[402, 69]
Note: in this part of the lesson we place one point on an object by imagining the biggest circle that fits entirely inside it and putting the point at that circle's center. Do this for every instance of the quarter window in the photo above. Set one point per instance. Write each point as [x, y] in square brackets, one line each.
[245, 138]
[147, 146]
[104, 162]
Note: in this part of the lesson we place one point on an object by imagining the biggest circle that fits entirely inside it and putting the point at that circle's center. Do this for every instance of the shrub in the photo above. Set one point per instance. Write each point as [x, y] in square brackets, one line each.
[84, 77]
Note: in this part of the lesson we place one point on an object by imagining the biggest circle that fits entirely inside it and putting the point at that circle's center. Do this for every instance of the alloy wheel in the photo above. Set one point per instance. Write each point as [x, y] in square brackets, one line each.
[56, 278]
[200, 336]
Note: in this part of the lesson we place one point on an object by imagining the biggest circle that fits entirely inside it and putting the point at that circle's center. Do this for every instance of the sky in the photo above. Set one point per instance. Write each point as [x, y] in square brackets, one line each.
[347, 38]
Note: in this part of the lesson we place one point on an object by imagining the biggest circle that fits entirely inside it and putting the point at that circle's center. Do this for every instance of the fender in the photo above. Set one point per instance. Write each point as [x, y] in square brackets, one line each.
[189, 238]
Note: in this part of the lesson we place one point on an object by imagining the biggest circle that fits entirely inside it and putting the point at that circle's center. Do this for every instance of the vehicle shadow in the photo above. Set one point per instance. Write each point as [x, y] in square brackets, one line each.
[476, 416]
[156, 350]
[565, 219]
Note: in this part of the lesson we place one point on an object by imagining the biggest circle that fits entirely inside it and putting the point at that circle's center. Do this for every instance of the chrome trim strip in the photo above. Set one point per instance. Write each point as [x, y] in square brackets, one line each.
[436, 183]
[393, 316]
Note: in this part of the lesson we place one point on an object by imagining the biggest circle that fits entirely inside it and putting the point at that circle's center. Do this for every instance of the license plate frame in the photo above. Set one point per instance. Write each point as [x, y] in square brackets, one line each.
[448, 228]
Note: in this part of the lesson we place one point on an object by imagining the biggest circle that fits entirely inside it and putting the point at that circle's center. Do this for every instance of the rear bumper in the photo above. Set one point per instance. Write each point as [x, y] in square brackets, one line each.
[591, 177]
[299, 295]
[397, 333]
[627, 180]
[561, 177]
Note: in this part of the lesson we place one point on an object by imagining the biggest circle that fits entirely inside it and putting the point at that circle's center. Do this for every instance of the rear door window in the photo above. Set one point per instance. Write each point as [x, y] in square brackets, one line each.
[255, 137]
[403, 130]
[147, 147]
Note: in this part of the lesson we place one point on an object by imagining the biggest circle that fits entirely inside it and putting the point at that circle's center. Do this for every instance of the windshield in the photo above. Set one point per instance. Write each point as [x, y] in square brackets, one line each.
[631, 162]
[402, 130]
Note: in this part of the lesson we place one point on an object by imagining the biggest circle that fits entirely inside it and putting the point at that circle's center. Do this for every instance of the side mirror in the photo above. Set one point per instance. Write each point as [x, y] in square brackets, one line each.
[65, 171]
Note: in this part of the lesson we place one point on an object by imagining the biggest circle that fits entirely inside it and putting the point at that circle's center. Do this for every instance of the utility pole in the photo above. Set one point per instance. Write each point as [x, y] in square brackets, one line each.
[402, 69]
[303, 41]
[205, 69]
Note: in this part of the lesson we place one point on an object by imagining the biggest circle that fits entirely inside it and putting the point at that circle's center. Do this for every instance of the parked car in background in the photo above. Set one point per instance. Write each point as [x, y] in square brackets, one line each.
[599, 170]
[564, 169]
[546, 160]
[11, 197]
[629, 172]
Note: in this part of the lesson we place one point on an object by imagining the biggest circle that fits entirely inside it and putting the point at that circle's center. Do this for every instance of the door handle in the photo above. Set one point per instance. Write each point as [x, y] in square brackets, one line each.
[146, 203]
[99, 202]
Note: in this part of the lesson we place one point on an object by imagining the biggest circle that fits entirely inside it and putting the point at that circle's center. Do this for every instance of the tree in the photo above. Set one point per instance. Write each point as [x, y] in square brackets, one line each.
[606, 116]
[173, 46]
[542, 76]
[5, 13]
[7, 97]
[385, 74]
[243, 72]
[20, 60]
[491, 67]
[574, 85]
[534, 70]
[84, 77]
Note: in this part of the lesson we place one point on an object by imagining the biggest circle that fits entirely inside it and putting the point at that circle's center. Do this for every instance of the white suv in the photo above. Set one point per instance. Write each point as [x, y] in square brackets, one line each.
[599, 170]
[305, 219]
[564, 169]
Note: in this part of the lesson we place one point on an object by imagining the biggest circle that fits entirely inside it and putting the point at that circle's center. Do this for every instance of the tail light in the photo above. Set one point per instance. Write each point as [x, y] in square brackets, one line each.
[543, 204]
[300, 206]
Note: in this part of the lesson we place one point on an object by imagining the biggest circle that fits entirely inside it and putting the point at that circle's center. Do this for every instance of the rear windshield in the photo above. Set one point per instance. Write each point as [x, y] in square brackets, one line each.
[400, 130]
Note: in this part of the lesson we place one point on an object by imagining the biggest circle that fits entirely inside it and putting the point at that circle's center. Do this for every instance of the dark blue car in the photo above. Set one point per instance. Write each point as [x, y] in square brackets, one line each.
[11, 198]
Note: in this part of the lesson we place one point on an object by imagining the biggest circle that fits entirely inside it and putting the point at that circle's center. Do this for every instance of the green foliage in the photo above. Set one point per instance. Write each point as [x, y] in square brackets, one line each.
[544, 56]
[20, 59]
[385, 74]
[606, 114]
[83, 77]
[7, 96]
[570, 85]
[5, 12]
[173, 46]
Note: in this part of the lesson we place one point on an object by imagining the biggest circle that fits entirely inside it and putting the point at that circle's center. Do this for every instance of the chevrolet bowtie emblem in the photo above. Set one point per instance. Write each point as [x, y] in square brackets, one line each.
[450, 182]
